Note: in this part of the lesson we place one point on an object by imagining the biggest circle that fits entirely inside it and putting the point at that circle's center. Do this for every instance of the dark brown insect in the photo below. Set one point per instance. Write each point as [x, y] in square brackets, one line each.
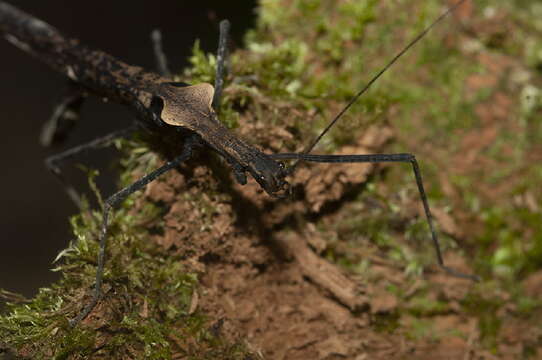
[185, 114]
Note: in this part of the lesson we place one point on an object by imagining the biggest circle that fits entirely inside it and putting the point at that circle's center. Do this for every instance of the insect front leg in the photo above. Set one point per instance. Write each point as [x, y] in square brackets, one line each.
[378, 158]
[221, 63]
[159, 55]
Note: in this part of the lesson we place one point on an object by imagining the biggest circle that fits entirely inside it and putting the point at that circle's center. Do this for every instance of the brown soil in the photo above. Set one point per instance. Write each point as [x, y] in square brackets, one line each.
[269, 286]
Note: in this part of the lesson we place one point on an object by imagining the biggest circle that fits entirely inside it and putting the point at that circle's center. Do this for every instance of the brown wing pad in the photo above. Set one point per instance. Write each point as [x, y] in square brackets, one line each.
[183, 106]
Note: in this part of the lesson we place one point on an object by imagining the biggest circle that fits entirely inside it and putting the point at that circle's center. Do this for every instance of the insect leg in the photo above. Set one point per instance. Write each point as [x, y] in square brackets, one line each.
[65, 115]
[160, 57]
[114, 200]
[52, 163]
[221, 63]
[376, 158]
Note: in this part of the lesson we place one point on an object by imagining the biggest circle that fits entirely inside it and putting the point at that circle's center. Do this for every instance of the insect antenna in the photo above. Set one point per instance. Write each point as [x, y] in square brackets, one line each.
[413, 42]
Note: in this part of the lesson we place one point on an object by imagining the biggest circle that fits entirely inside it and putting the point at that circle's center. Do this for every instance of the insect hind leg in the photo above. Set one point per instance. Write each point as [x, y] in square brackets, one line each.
[64, 117]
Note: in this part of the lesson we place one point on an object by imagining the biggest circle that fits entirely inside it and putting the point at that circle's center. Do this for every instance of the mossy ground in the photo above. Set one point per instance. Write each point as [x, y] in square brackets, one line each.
[146, 309]
[466, 100]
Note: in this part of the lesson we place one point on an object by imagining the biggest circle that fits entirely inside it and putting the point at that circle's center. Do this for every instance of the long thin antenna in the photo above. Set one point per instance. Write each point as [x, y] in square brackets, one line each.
[379, 74]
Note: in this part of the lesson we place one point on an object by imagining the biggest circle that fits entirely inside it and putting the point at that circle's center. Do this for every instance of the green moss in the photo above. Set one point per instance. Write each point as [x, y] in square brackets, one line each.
[421, 306]
[422, 329]
[148, 295]
[486, 310]
[386, 322]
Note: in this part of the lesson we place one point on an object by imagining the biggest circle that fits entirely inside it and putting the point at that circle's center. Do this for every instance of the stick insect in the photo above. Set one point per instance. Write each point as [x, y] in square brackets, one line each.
[184, 114]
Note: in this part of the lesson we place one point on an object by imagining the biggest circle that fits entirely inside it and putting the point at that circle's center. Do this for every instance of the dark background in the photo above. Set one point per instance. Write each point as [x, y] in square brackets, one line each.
[34, 209]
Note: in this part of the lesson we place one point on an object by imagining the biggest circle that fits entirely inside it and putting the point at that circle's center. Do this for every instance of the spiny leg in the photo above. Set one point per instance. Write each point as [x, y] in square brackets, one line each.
[376, 158]
[221, 63]
[114, 200]
[160, 57]
[53, 162]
